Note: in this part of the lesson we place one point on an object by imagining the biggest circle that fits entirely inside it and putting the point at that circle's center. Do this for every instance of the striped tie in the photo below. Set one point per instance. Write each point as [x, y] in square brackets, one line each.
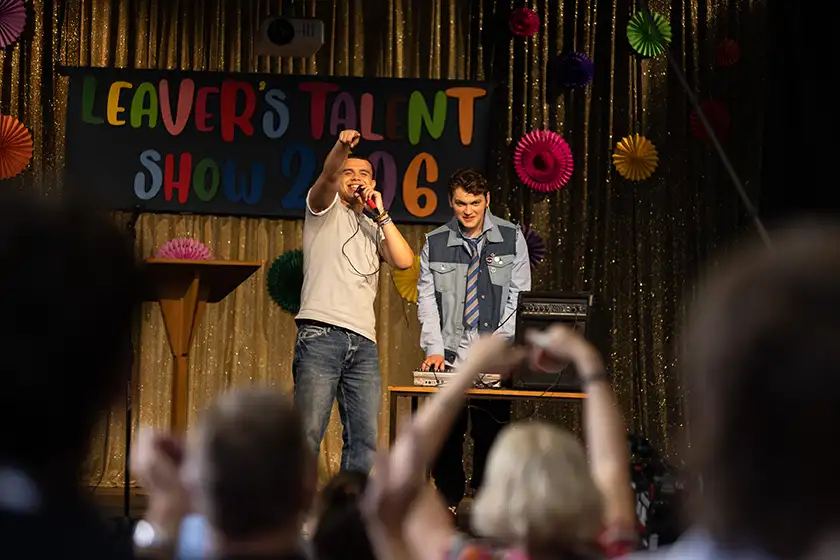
[471, 302]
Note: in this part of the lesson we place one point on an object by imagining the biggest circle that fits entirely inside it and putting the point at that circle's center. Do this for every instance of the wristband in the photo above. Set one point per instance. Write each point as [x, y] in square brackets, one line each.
[597, 378]
[385, 222]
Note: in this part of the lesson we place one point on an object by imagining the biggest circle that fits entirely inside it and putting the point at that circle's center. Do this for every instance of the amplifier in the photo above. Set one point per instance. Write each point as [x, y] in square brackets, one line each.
[543, 308]
[538, 311]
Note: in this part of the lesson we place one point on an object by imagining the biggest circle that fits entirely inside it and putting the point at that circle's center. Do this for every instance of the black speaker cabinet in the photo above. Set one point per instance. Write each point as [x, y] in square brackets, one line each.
[539, 310]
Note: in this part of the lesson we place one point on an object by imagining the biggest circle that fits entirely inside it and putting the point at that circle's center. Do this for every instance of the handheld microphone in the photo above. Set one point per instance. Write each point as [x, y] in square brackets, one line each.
[369, 202]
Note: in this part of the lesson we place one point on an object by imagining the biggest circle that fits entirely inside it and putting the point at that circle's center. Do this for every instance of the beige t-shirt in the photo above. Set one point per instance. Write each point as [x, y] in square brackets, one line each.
[340, 268]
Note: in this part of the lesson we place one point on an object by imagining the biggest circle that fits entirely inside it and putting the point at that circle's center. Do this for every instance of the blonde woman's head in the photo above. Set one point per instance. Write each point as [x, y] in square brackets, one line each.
[537, 489]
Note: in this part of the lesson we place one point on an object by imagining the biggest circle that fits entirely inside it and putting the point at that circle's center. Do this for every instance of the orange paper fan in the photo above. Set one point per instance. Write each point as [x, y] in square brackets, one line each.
[15, 147]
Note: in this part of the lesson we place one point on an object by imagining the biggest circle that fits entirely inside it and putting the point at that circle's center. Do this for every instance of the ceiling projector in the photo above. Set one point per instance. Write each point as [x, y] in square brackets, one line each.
[295, 37]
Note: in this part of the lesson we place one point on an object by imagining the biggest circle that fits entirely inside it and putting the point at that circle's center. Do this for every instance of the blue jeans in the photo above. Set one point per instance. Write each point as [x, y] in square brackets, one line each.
[331, 362]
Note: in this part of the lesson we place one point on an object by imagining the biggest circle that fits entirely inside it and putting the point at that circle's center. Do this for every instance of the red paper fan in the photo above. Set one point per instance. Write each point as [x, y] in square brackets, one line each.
[12, 21]
[718, 116]
[543, 161]
[15, 147]
[523, 22]
[728, 53]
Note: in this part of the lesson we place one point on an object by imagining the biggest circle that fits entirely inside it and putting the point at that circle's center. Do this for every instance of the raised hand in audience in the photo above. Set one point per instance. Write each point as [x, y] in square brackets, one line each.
[605, 432]
[392, 490]
[156, 462]
[560, 345]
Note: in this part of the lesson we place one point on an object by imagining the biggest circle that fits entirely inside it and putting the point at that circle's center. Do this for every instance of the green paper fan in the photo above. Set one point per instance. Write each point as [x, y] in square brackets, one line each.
[648, 39]
[285, 280]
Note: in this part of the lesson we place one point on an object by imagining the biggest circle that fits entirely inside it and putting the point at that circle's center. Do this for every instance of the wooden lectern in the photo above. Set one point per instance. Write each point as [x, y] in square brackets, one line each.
[184, 288]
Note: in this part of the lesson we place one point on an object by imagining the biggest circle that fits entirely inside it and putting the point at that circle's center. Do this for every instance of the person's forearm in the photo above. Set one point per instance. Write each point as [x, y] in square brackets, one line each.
[402, 256]
[165, 515]
[387, 545]
[507, 326]
[434, 420]
[335, 160]
[325, 189]
[606, 439]
[428, 531]
[431, 339]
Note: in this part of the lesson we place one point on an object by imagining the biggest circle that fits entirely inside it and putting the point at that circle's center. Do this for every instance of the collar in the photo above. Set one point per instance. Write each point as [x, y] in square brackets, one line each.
[490, 231]
[697, 544]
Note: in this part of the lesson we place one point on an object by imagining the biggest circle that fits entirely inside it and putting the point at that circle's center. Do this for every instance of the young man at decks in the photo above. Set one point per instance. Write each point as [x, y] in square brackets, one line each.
[335, 350]
[471, 273]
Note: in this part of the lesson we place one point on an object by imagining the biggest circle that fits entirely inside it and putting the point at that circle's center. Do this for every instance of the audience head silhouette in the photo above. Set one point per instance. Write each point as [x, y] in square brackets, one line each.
[250, 469]
[69, 287]
[341, 528]
[763, 379]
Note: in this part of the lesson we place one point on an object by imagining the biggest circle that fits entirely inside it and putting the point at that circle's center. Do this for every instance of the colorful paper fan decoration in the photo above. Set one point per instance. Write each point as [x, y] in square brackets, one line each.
[285, 280]
[543, 161]
[523, 22]
[536, 245]
[648, 39]
[15, 147]
[12, 21]
[184, 248]
[635, 157]
[728, 53]
[573, 70]
[718, 116]
[406, 281]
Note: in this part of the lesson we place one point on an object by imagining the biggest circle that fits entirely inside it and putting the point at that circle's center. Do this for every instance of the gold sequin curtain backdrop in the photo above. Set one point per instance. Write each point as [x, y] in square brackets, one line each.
[636, 247]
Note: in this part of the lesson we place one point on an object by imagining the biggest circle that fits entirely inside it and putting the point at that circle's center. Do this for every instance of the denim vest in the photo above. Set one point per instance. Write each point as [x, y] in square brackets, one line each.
[448, 262]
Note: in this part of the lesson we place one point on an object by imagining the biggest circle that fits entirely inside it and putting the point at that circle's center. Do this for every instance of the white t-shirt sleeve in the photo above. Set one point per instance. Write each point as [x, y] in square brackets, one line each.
[322, 212]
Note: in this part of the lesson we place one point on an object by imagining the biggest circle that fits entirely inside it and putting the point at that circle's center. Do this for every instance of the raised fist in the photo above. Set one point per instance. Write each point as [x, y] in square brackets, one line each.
[349, 138]
[559, 345]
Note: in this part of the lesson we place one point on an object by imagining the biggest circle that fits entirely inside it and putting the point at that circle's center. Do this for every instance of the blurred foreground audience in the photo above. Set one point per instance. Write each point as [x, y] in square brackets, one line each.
[69, 286]
[762, 360]
[540, 498]
[339, 526]
[246, 469]
[762, 369]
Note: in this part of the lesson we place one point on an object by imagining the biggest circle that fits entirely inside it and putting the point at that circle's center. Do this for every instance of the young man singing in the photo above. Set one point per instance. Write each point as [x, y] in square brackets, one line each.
[471, 273]
[335, 350]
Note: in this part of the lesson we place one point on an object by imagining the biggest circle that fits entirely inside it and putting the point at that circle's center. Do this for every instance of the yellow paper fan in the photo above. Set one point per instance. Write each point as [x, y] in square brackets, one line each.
[635, 157]
[406, 281]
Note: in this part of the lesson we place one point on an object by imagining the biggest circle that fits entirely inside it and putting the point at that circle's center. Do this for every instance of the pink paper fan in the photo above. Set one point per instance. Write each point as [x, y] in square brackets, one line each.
[536, 245]
[184, 249]
[12, 21]
[543, 161]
